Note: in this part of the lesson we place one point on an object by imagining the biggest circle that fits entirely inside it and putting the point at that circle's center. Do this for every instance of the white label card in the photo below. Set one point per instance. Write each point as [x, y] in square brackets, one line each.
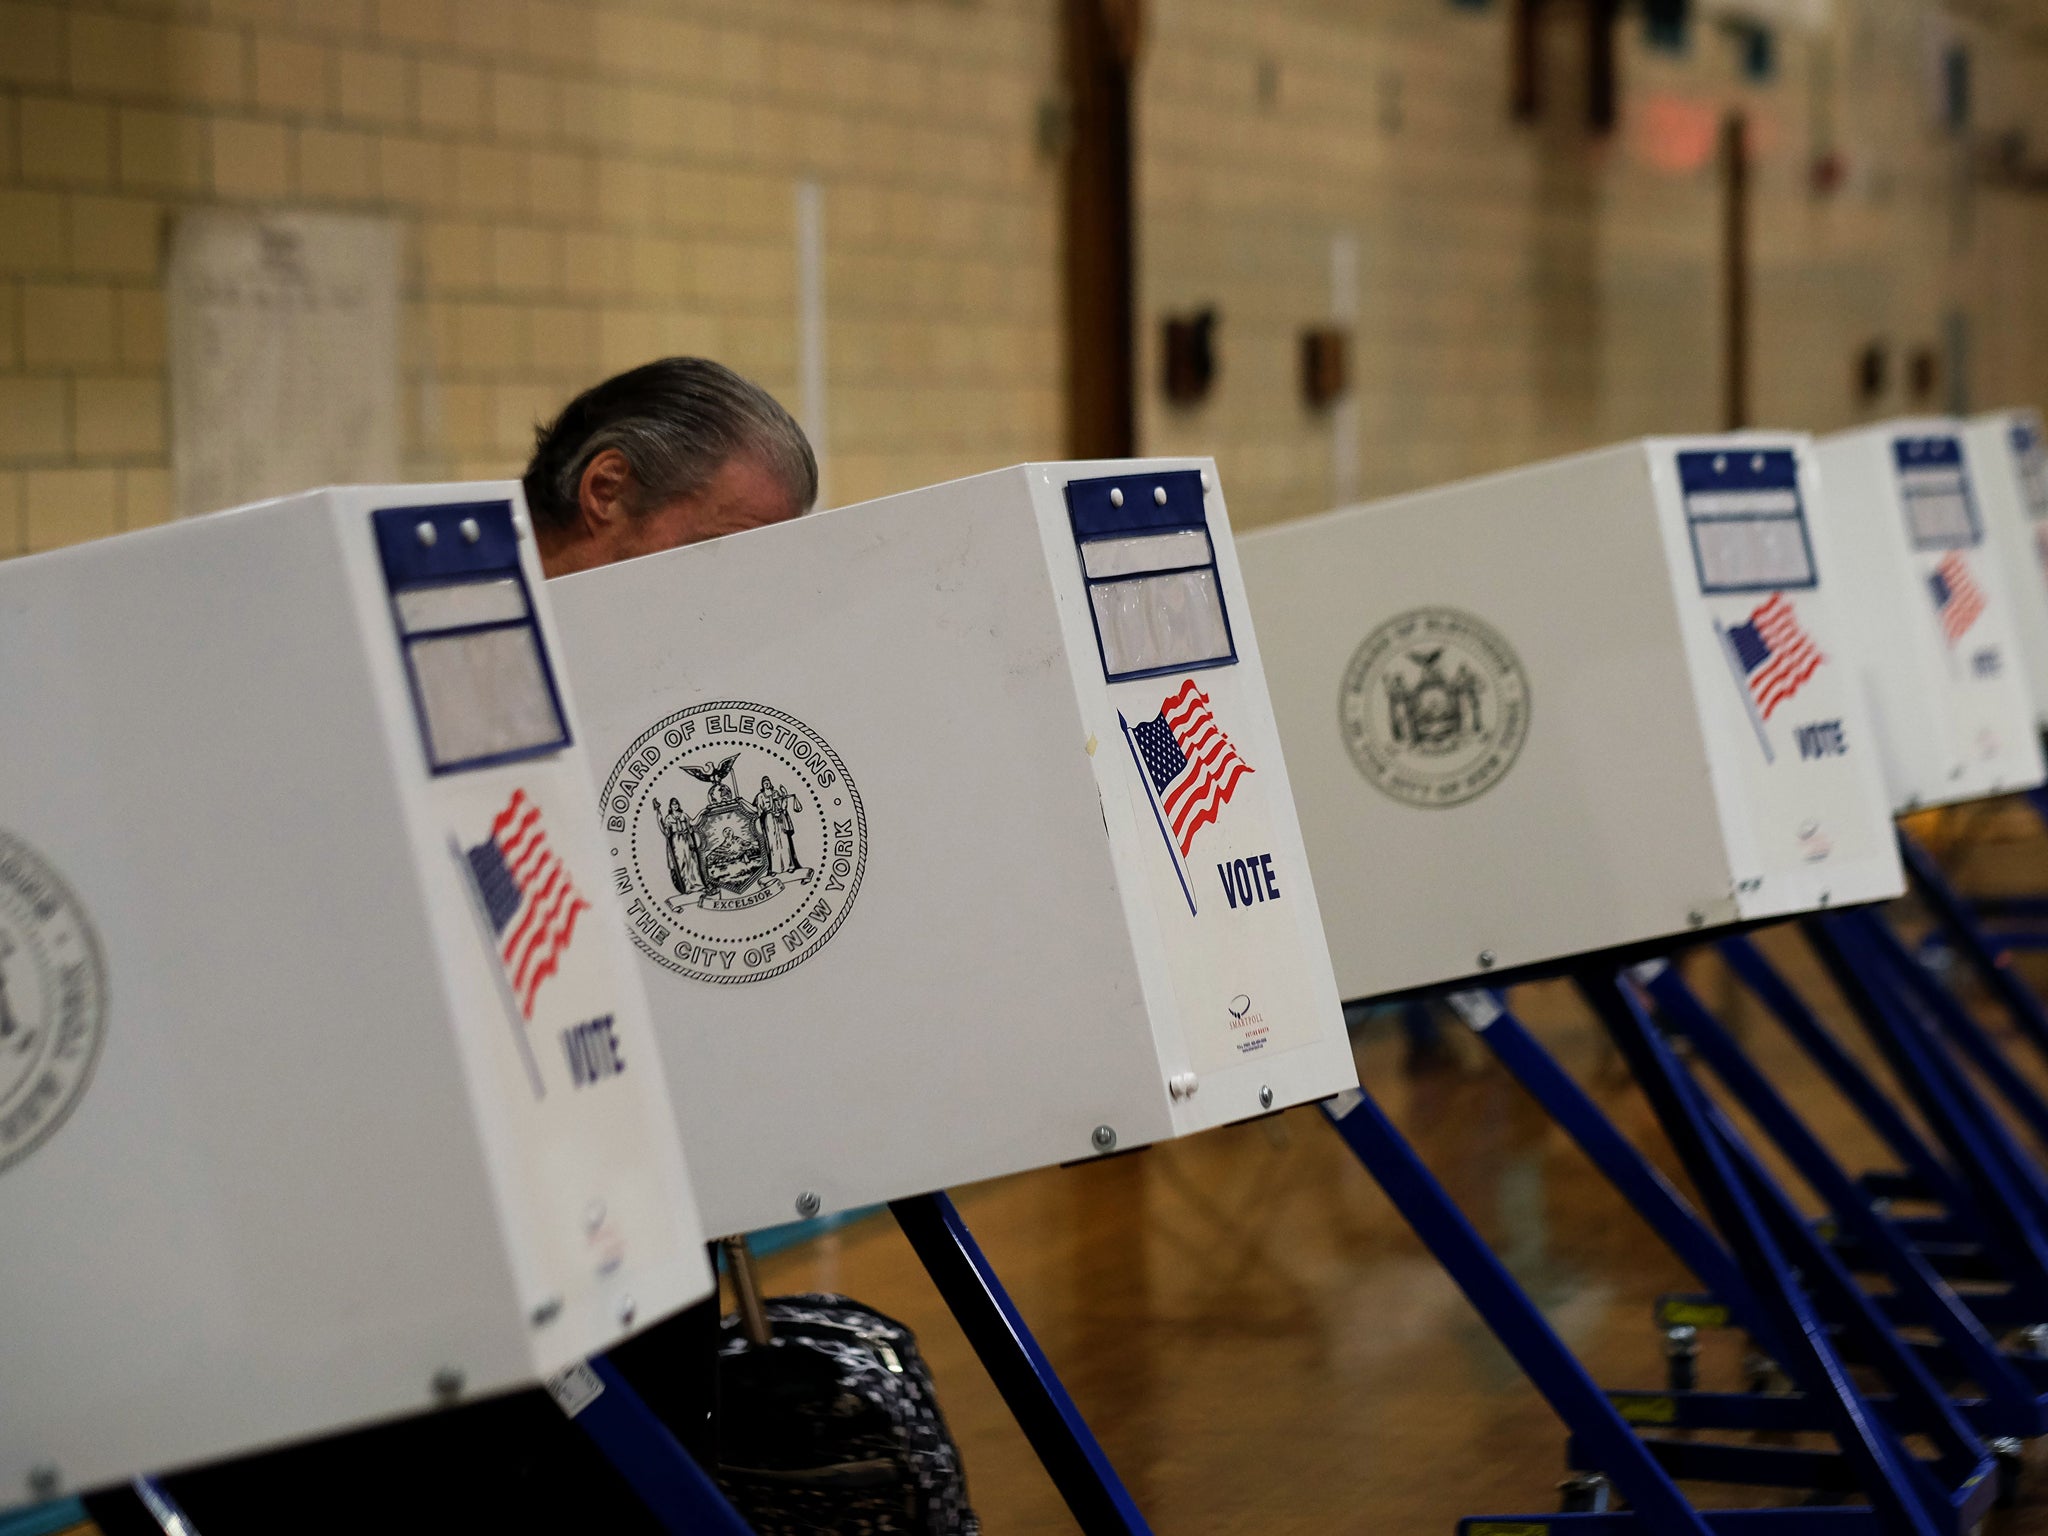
[1478, 1008]
[575, 1388]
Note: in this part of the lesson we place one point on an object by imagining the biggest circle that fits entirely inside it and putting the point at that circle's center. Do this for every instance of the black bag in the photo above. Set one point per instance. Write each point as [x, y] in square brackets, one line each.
[828, 1422]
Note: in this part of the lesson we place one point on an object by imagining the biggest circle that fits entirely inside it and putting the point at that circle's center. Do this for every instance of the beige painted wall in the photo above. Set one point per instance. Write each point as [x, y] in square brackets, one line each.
[1526, 291]
[583, 184]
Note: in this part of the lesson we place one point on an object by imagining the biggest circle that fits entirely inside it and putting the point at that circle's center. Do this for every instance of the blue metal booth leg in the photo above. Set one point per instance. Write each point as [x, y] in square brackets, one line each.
[1516, 1321]
[1095, 1495]
[1991, 960]
[1948, 1494]
[1922, 1163]
[678, 1492]
[163, 1509]
[2006, 1189]
[1759, 1224]
[1919, 1294]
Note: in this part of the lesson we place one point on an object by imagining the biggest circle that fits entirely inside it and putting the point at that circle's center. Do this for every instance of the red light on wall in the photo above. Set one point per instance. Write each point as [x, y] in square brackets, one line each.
[1675, 135]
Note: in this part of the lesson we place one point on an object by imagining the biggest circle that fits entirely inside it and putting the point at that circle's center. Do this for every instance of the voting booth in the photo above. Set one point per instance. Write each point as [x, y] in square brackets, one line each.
[2008, 468]
[1932, 621]
[1590, 710]
[1571, 707]
[328, 1092]
[954, 835]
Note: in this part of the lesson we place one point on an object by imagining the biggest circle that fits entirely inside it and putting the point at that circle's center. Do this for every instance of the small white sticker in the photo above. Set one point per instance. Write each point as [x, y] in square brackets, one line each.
[1644, 974]
[1477, 1008]
[575, 1389]
[1341, 1105]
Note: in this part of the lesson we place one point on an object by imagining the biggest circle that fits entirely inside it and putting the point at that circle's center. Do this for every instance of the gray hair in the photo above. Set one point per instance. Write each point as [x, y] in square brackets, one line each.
[678, 421]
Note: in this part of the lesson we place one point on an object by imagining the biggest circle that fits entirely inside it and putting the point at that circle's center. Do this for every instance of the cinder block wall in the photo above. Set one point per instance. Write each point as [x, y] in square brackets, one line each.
[586, 183]
[1525, 290]
[582, 185]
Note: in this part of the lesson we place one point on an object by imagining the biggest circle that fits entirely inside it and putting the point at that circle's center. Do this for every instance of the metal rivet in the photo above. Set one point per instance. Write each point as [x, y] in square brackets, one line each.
[1116, 497]
[470, 530]
[808, 1204]
[44, 1482]
[1158, 495]
[593, 1215]
[1265, 1098]
[1486, 959]
[427, 534]
[448, 1383]
[1757, 462]
[1103, 1139]
[627, 1311]
[547, 1312]
[1720, 463]
[1695, 918]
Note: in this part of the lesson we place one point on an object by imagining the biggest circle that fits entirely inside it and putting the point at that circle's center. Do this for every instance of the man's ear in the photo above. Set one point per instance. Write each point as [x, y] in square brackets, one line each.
[604, 494]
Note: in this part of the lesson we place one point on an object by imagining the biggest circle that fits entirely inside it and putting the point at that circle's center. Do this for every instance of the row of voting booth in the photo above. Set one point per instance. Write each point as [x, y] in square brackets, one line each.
[406, 964]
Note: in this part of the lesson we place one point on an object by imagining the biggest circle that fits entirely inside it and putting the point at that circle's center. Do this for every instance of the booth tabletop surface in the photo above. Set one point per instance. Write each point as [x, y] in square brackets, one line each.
[1262, 1345]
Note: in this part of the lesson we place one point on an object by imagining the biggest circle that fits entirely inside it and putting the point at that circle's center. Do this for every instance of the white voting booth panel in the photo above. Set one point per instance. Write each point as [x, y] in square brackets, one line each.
[954, 834]
[1932, 623]
[327, 1085]
[1576, 706]
[2009, 471]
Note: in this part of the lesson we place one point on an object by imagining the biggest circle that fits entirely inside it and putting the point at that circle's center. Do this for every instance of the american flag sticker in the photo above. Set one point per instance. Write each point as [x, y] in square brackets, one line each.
[528, 894]
[1775, 655]
[1958, 600]
[1191, 766]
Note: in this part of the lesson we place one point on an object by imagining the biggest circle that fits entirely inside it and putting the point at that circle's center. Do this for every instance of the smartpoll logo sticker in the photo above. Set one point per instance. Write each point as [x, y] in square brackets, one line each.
[1249, 1031]
[738, 841]
[53, 1001]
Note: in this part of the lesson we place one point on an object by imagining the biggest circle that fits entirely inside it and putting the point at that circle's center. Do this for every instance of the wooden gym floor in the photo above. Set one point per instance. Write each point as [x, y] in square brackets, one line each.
[1261, 1343]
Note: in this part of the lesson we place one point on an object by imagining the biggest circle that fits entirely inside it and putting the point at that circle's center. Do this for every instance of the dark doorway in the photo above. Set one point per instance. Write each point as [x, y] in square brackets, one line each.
[1102, 39]
[1735, 271]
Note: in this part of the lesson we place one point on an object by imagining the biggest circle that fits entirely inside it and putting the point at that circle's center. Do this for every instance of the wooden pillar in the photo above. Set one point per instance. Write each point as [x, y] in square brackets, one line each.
[1603, 91]
[1101, 39]
[1735, 271]
[1525, 60]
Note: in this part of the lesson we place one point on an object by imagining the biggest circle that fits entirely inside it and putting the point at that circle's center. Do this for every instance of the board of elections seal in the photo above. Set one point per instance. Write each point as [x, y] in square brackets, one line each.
[1434, 707]
[738, 841]
[53, 1001]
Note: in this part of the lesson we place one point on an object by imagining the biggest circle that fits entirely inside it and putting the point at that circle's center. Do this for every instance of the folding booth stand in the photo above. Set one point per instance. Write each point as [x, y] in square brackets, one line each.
[1607, 680]
[954, 836]
[327, 1095]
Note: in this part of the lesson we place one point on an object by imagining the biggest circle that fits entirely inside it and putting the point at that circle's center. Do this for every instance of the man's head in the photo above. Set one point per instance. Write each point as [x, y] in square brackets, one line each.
[672, 452]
